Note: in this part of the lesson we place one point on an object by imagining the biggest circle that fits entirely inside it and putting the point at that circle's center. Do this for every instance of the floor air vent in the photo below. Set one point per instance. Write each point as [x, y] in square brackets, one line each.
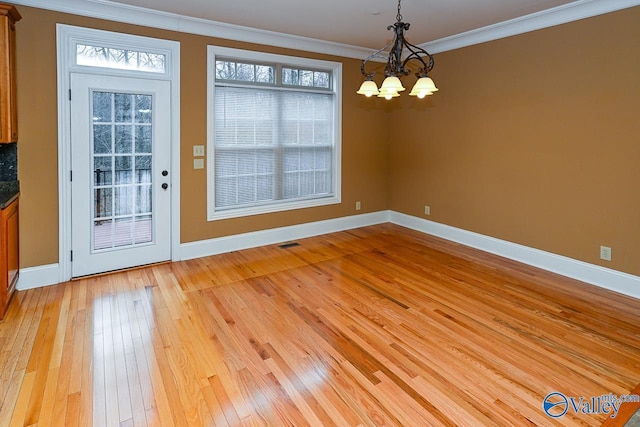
[289, 245]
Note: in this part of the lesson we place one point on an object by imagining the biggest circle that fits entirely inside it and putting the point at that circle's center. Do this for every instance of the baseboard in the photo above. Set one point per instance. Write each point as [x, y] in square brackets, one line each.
[278, 235]
[35, 277]
[603, 277]
[613, 280]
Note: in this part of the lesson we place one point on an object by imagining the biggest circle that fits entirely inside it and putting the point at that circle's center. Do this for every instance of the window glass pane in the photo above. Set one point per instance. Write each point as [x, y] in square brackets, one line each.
[123, 59]
[102, 139]
[143, 108]
[102, 107]
[122, 108]
[226, 190]
[264, 74]
[102, 234]
[142, 229]
[245, 72]
[143, 169]
[143, 139]
[226, 163]
[264, 188]
[123, 198]
[123, 228]
[143, 199]
[123, 139]
[291, 185]
[307, 183]
[102, 170]
[307, 160]
[321, 79]
[323, 159]
[305, 134]
[246, 189]
[102, 202]
[225, 70]
[289, 76]
[265, 163]
[291, 159]
[323, 183]
[124, 170]
[306, 78]
[247, 163]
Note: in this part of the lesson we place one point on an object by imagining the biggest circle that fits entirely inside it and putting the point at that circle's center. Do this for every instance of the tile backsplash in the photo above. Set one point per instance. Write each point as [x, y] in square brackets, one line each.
[9, 162]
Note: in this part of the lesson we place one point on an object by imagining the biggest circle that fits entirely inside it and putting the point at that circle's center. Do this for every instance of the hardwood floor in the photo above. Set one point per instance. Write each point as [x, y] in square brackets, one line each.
[374, 326]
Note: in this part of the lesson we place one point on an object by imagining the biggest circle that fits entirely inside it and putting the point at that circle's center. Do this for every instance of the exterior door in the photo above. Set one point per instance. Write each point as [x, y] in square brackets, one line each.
[120, 158]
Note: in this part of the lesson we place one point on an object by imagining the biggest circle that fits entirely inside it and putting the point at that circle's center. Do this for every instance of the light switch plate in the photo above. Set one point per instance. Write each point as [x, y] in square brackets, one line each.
[198, 163]
[198, 150]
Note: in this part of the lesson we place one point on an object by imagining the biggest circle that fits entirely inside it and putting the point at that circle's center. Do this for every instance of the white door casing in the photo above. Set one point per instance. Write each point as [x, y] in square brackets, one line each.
[69, 42]
[121, 214]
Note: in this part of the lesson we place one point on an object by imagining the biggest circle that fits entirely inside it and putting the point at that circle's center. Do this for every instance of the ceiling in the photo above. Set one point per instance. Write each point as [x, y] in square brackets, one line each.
[359, 23]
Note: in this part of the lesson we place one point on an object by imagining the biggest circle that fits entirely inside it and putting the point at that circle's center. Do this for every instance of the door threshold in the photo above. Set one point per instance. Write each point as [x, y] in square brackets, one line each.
[121, 270]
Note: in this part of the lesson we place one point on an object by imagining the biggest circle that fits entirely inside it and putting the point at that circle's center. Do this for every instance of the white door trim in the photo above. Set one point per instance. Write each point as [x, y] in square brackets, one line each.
[67, 36]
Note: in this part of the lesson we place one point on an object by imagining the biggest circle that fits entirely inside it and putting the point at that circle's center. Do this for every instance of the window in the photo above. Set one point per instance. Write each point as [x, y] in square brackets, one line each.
[123, 59]
[274, 133]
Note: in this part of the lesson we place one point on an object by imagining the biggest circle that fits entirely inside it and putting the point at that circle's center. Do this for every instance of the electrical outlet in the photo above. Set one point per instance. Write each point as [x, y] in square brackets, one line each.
[198, 150]
[427, 210]
[605, 253]
[358, 206]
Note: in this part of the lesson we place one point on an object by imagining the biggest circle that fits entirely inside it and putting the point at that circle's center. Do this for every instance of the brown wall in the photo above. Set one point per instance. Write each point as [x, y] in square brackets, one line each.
[364, 138]
[534, 139]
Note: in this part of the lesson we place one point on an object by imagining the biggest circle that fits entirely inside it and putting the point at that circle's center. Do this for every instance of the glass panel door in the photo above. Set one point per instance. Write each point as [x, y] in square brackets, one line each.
[120, 156]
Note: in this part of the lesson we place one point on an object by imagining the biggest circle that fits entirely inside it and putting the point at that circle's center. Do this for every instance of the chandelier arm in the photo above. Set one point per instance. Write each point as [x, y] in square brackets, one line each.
[377, 54]
[417, 53]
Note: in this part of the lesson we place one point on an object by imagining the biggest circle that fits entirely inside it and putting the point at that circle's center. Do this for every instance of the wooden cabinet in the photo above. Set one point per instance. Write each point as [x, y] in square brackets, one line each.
[9, 254]
[8, 106]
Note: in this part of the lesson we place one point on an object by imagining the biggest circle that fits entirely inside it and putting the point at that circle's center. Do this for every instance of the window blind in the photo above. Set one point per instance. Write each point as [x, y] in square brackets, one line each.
[271, 146]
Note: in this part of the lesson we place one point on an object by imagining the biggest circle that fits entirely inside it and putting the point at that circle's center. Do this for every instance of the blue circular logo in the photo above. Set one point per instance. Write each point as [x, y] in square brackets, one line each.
[555, 404]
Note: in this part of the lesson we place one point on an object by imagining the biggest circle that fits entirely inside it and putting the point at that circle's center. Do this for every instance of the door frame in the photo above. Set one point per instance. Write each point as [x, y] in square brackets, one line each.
[67, 38]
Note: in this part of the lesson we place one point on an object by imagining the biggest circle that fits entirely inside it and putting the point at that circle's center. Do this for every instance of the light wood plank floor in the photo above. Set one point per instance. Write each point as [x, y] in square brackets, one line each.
[374, 326]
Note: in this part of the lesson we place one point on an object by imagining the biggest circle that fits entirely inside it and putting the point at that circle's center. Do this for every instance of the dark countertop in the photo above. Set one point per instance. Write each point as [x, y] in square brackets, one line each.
[9, 191]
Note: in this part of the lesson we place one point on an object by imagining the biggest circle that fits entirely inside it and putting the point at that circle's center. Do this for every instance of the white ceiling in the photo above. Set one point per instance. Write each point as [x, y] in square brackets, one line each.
[355, 22]
[349, 28]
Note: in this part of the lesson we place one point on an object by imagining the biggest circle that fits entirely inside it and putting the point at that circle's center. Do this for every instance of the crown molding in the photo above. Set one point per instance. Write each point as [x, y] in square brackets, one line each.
[575, 11]
[104, 9]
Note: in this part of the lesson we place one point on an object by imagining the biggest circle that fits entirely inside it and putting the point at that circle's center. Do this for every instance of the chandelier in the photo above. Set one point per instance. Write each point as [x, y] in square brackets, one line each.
[396, 66]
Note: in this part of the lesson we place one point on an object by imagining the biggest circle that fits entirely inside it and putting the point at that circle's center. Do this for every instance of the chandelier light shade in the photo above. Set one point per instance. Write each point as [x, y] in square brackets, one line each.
[396, 66]
[423, 87]
[368, 88]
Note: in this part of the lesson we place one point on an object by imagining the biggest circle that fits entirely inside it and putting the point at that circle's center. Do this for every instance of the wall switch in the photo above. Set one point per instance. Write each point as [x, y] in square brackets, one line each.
[605, 253]
[427, 210]
[198, 163]
[358, 206]
[198, 150]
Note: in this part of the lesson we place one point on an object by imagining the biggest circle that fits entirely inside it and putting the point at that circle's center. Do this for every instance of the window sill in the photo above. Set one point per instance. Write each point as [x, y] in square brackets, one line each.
[281, 207]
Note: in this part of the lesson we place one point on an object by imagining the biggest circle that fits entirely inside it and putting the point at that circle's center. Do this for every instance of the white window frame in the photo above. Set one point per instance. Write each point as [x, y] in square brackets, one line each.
[68, 37]
[253, 56]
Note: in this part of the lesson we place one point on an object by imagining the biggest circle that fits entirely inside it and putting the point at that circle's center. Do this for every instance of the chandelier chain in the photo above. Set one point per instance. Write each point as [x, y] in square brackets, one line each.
[399, 16]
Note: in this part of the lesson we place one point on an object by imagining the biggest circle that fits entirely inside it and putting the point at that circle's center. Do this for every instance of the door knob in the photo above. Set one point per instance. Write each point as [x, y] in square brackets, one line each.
[165, 173]
[165, 185]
